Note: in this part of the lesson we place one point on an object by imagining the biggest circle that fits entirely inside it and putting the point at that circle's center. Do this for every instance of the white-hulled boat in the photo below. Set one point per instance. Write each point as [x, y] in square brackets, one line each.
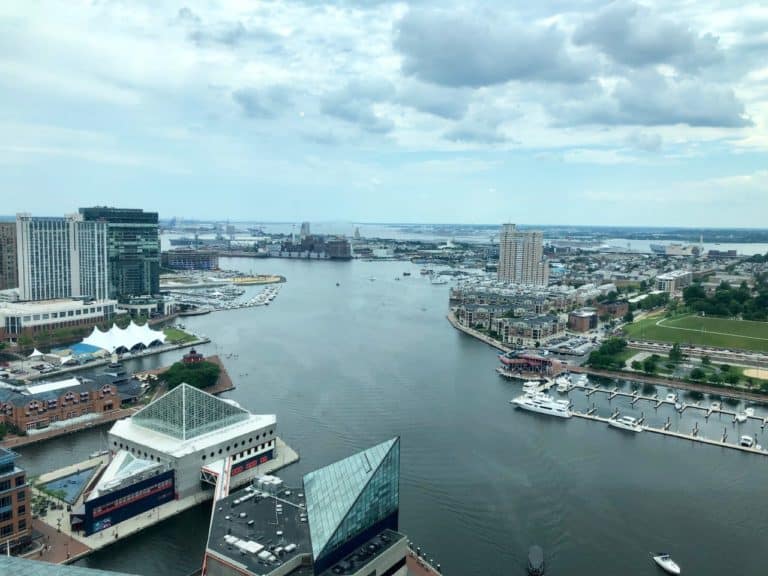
[543, 404]
[582, 380]
[741, 417]
[665, 562]
[626, 423]
[671, 397]
[563, 383]
[746, 441]
[750, 412]
[714, 406]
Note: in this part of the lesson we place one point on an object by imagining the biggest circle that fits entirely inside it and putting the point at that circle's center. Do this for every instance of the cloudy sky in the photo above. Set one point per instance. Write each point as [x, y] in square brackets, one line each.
[559, 111]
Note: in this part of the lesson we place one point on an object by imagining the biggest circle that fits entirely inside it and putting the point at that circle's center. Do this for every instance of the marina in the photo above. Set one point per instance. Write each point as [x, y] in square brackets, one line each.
[695, 420]
[229, 297]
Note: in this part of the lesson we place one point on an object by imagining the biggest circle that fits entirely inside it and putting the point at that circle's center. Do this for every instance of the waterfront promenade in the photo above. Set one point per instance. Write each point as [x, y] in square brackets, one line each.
[12, 441]
[475, 334]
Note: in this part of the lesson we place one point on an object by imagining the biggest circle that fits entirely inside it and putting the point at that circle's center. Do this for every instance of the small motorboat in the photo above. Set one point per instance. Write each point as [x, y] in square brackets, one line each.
[746, 441]
[678, 406]
[665, 562]
[715, 406]
[672, 397]
[740, 417]
[626, 423]
[750, 412]
[535, 561]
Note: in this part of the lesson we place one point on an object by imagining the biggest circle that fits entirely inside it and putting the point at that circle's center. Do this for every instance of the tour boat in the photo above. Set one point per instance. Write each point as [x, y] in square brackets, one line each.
[665, 562]
[626, 423]
[542, 404]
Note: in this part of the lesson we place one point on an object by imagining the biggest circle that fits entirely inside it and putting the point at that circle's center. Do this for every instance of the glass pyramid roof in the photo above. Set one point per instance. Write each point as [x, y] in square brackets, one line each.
[351, 495]
[186, 412]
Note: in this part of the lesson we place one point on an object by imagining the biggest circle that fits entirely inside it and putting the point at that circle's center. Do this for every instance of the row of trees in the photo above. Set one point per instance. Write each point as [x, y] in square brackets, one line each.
[728, 301]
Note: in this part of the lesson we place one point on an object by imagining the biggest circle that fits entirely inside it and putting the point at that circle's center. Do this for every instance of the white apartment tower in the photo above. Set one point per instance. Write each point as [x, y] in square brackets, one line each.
[61, 258]
[521, 259]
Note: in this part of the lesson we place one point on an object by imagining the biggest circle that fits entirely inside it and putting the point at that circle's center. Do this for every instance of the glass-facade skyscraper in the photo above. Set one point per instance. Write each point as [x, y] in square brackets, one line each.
[133, 249]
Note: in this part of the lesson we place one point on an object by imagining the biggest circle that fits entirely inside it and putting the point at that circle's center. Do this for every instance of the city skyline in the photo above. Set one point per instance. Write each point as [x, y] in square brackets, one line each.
[624, 113]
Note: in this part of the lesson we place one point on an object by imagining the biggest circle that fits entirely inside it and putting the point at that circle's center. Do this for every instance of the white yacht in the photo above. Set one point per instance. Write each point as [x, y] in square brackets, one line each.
[563, 384]
[665, 562]
[741, 417]
[714, 406]
[746, 441]
[582, 380]
[543, 404]
[626, 423]
[671, 397]
[749, 412]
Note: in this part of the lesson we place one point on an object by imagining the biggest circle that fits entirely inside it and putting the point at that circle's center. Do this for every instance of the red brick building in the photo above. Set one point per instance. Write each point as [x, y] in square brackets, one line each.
[15, 504]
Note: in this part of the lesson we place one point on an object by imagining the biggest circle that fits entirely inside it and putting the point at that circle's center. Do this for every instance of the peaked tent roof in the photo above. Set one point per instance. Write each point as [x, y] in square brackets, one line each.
[127, 337]
[186, 412]
[337, 506]
[35, 354]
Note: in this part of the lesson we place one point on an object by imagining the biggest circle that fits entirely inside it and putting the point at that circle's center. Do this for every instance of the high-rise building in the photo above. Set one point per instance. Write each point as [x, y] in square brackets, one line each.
[304, 233]
[9, 277]
[15, 504]
[521, 259]
[61, 258]
[133, 249]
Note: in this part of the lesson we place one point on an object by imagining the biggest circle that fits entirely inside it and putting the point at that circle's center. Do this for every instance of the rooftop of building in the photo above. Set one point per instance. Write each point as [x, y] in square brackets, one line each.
[187, 420]
[673, 275]
[127, 387]
[43, 306]
[250, 522]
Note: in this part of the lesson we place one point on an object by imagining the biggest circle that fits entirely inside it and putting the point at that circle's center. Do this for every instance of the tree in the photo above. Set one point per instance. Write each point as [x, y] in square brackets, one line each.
[198, 374]
[697, 374]
[675, 354]
[649, 365]
[629, 317]
[706, 361]
[732, 378]
[636, 365]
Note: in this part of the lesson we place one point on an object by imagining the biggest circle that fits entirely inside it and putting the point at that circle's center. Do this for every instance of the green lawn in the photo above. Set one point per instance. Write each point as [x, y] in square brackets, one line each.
[703, 331]
[176, 336]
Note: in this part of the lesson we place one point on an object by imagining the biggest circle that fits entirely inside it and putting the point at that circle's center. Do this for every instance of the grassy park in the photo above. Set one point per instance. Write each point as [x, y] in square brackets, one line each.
[176, 336]
[702, 331]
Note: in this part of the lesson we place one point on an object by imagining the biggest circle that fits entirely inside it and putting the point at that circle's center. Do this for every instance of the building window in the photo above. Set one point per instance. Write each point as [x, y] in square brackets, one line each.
[203, 456]
[20, 480]
[21, 510]
[22, 525]
[6, 530]
[21, 496]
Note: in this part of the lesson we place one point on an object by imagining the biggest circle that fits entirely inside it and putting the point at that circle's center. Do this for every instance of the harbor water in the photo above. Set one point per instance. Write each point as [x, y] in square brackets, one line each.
[349, 365]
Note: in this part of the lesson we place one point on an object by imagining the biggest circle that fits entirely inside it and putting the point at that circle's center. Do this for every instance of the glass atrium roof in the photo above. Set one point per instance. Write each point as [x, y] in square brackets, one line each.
[186, 412]
[351, 495]
[22, 567]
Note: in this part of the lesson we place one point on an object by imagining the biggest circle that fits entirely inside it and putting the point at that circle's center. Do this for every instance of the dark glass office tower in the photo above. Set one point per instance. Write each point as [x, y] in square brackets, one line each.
[133, 251]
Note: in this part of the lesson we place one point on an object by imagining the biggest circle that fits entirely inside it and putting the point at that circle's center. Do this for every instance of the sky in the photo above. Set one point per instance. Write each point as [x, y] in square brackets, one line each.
[546, 112]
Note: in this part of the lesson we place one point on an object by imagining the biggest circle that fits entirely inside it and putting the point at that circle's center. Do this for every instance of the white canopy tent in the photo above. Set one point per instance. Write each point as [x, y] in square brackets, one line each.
[35, 354]
[126, 338]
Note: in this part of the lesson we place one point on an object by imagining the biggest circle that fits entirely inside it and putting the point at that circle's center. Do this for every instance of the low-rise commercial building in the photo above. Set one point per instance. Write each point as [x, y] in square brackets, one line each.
[29, 318]
[528, 331]
[582, 320]
[190, 259]
[15, 505]
[673, 281]
[38, 406]
[613, 309]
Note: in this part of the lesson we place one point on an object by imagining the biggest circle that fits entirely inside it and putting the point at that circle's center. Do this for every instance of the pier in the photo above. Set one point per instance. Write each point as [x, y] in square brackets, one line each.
[665, 431]
[63, 546]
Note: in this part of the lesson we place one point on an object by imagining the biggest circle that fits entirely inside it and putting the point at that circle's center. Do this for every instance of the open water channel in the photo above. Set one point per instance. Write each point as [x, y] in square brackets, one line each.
[344, 367]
